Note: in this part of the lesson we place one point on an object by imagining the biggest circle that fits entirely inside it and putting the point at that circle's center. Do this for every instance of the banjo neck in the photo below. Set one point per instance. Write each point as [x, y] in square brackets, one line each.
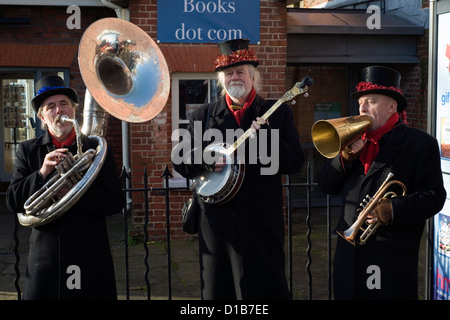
[298, 89]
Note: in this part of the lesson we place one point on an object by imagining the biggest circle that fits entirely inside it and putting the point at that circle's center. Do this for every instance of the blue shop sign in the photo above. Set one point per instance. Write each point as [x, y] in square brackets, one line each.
[207, 21]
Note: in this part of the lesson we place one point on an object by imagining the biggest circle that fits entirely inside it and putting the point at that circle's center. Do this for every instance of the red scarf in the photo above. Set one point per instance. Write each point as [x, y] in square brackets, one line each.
[372, 148]
[239, 114]
[67, 142]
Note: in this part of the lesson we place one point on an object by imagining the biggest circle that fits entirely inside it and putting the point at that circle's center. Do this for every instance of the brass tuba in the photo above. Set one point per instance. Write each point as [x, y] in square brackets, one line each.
[126, 76]
[331, 136]
[368, 204]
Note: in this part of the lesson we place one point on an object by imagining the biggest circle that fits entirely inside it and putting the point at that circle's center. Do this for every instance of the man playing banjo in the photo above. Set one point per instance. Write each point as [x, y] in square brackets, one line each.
[241, 240]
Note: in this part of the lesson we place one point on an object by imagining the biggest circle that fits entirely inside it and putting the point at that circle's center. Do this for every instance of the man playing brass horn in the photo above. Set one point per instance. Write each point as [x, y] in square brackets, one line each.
[69, 258]
[386, 267]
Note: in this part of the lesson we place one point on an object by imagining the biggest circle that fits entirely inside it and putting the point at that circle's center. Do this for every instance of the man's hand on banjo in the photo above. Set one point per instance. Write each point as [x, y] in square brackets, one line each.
[257, 124]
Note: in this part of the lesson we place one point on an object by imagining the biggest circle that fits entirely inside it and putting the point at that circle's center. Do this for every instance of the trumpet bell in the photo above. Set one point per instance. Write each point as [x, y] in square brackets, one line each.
[331, 136]
[124, 69]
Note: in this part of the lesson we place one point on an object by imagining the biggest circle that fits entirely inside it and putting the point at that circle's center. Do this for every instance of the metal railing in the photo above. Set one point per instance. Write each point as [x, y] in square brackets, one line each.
[288, 187]
[166, 192]
[292, 253]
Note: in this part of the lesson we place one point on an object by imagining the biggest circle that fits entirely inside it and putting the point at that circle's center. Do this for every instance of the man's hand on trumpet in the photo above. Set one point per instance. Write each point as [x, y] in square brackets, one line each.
[382, 213]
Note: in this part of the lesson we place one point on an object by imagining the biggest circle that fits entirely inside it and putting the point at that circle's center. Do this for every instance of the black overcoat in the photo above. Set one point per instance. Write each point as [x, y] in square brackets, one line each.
[392, 253]
[77, 238]
[241, 242]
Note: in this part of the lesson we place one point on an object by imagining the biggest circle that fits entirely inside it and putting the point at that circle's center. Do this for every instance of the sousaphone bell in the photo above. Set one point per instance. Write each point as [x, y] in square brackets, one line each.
[125, 75]
[124, 70]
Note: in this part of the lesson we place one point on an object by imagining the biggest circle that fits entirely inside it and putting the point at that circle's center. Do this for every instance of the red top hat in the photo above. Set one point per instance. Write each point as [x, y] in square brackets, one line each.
[381, 80]
[235, 52]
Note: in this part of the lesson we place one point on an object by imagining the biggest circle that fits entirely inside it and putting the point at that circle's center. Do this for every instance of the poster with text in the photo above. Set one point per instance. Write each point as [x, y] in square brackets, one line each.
[443, 90]
[441, 261]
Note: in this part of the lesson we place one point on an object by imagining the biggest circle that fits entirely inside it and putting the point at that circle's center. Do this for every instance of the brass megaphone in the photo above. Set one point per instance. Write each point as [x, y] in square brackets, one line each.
[331, 136]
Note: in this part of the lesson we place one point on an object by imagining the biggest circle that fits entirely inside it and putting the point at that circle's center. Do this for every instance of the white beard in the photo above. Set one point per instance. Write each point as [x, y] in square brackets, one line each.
[236, 89]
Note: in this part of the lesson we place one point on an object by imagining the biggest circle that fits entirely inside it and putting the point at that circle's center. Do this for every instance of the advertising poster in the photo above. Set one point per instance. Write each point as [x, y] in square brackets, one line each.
[441, 284]
[442, 257]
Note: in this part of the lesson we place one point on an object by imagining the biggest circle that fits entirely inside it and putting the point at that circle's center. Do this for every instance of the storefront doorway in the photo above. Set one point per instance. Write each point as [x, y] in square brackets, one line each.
[18, 119]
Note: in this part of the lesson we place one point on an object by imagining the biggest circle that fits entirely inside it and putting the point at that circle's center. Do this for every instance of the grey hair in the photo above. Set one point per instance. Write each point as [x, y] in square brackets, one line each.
[253, 73]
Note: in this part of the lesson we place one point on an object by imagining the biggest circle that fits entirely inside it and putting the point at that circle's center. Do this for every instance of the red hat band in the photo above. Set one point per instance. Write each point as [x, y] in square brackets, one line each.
[236, 57]
[364, 86]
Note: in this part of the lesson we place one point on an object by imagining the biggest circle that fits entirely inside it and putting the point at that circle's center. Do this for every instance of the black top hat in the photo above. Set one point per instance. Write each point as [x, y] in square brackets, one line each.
[235, 52]
[381, 80]
[50, 86]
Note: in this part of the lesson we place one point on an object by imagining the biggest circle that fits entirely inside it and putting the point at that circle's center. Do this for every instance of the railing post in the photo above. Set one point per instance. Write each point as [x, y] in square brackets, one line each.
[308, 233]
[329, 248]
[147, 268]
[289, 225]
[166, 175]
[125, 177]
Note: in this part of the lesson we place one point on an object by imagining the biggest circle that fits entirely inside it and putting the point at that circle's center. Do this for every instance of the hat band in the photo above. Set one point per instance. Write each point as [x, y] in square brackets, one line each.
[44, 89]
[242, 55]
[364, 86]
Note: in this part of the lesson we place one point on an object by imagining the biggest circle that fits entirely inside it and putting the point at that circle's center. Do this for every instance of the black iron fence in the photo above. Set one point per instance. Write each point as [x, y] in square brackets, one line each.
[292, 236]
[309, 239]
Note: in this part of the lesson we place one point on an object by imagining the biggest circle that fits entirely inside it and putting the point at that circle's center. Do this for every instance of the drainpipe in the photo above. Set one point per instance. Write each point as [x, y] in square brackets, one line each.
[123, 13]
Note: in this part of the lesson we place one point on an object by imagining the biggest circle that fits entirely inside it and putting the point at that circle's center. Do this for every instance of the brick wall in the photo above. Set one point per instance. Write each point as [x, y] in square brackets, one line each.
[415, 85]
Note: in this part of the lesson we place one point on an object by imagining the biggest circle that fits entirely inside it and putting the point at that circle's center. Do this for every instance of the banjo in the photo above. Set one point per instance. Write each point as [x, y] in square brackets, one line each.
[218, 187]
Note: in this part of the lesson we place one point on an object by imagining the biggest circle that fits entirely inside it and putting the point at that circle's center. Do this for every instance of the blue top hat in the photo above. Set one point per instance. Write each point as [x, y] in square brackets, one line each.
[50, 86]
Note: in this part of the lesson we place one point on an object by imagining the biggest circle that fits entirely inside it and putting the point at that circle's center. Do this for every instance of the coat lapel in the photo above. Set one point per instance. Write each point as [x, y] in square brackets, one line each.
[222, 116]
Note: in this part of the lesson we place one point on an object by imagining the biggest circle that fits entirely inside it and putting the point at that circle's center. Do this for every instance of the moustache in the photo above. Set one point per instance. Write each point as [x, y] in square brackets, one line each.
[58, 120]
[58, 117]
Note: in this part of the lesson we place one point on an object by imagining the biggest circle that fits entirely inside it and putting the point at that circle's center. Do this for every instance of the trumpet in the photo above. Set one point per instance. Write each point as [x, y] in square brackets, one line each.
[368, 204]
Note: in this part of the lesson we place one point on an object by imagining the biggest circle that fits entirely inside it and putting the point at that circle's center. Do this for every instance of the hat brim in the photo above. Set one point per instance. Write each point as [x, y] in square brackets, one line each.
[402, 104]
[253, 63]
[37, 101]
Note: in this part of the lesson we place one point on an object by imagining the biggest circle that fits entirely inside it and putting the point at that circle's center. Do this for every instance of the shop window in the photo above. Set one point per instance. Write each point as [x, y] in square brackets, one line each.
[189, 91]
[18, 118]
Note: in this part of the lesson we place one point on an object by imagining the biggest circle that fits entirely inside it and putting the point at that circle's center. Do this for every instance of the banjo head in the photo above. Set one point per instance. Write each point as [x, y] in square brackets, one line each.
[215, 187]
